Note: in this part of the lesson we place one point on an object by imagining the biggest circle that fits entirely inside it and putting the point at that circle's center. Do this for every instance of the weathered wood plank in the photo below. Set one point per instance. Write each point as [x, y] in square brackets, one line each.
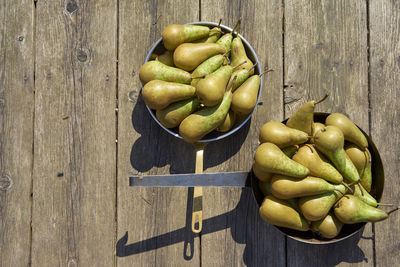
[75, 152]
[16, 130]
[326, 50]
[238, 235]
[385, 121]
[152, 223]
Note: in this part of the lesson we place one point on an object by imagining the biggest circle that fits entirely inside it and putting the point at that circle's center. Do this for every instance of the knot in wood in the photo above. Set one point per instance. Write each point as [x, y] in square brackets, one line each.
[20, 38]
[5, 183]
[71, 6]
[82, 56]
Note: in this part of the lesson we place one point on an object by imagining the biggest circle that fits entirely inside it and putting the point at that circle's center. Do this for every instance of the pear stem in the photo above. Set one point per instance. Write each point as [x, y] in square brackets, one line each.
[325, 97]
[362, 192]
[252, 67]
[232, 85]
[340, 191]
[385, 204]
[199, 77]
[236, 25]
[393, 210]
[265, 71]
[352, 183]
[219, 23]
[244, 62]
[348, 187]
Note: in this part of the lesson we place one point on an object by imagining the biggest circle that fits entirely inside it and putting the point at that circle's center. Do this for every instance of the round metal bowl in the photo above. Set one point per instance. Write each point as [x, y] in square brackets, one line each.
[348, 230]
[214, 135]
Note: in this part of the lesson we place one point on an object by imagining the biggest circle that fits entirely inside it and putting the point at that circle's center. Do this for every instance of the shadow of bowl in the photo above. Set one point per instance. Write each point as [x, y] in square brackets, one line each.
[348, 230]
[214, 135]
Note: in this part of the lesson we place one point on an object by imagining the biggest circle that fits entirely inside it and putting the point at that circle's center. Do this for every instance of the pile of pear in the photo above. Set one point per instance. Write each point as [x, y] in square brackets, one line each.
[201, 82]
[315, 176]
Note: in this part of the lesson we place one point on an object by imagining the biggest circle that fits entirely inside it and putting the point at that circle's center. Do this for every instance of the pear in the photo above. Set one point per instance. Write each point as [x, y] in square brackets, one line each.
[330, 141]
[159, 94]
[173, 35]
[175, 113]
[303, 119]
[316, 207]
[316, 127]
[285, 187]
[266, 176]
[328, 227]
[350, 209]
[242, 75]
[207, 67]
[197, 125]
[308, 156]
[362, 194]
[245, 97]
[213, 36]
[270, 158]
[281, 135]
[166, 58]
[260, 174]
[238, 55]
[279, 212]
[228, 122]
[188, 56]
[265, 188]
[226, 40]
[211, 89]
[362, 161]
[350, 130]
[155, 70]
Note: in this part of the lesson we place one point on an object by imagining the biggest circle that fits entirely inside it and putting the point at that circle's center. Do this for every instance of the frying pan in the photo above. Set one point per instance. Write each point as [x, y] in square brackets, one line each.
[158, 48]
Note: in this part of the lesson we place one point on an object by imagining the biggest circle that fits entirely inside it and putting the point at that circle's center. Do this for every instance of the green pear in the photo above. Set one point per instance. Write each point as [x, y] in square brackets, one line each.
[362, 194]
[350, 130]
[166, 58]
[350, 209]
[279, 212]
[155, 70]
[207, 67]
[226, 40]
[211, 89]
[270, 158]
[173, 35]
[159, 94]
[362, 161]
[175, 113]
[308, 156]
[303, 119]
[281, 135]
[188, 56]
[260, 174]
[266, 176]
[197, 125]
[316, 127]
[213, 36]
[245, 97]
[316, 207]
[328, 227]
[228, 122]
[330, 141]
[242, 75]
[238, 55]
[285, 187]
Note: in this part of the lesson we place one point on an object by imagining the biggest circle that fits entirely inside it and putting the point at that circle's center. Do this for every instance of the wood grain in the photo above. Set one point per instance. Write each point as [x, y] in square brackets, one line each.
[75, 152]
[385, 121]
[16, 130]
[326, 51]
[154, 225]
[236, 235]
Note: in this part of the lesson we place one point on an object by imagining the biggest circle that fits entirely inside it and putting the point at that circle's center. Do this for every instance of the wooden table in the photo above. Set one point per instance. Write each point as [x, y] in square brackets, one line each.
[69, 137]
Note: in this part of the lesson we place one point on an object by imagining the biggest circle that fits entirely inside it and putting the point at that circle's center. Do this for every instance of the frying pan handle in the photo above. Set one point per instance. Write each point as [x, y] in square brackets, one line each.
[197, 212]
